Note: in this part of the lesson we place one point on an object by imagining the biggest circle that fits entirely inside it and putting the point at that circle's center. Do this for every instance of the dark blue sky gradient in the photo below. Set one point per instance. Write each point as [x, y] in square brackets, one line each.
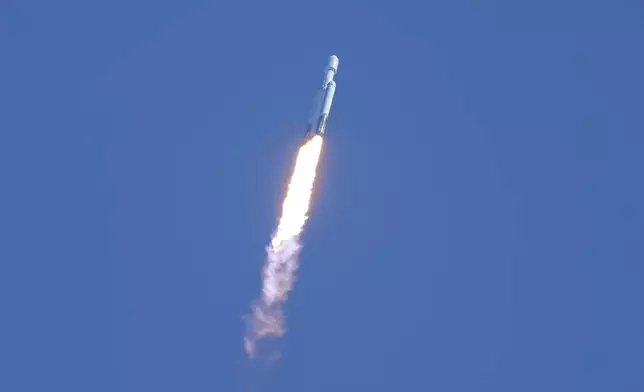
[477, 224]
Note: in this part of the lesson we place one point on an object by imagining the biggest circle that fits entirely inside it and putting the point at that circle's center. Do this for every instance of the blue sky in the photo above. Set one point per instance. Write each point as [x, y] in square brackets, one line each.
[477, 224]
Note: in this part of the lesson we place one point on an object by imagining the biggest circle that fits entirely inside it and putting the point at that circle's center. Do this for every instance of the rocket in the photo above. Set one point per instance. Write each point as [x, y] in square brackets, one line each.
[323, 100]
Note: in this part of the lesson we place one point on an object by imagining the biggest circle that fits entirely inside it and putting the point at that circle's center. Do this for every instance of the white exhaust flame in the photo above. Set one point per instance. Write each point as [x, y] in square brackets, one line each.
[278, 275]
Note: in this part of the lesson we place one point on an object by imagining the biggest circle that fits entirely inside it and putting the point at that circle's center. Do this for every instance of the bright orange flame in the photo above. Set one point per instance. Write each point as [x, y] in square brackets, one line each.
[281, 263]
[298, 196]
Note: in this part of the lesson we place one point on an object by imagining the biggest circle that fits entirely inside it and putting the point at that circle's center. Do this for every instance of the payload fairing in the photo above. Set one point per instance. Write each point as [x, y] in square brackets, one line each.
[323, 100]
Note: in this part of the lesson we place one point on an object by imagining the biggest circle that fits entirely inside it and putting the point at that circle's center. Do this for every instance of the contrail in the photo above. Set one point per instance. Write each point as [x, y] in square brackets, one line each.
[267, 319]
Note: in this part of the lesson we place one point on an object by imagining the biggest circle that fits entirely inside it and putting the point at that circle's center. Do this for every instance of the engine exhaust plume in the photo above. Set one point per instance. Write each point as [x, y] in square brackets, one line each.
[278, 275]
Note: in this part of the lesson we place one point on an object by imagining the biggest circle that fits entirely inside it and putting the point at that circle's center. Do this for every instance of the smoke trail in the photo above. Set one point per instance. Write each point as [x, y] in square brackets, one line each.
[278, 275]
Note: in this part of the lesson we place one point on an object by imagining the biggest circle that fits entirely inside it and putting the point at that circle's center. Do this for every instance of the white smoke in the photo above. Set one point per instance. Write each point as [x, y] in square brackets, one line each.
[267, 320]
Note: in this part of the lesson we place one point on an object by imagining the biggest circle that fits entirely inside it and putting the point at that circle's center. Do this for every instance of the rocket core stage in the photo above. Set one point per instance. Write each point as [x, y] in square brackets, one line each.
[323, 100]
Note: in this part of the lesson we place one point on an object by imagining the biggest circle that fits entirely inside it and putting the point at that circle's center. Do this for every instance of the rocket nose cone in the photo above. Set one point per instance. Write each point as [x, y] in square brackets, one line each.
[333, 62]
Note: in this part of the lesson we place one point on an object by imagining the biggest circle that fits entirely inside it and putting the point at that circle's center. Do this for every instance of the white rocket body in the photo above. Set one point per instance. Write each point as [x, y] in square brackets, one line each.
[323, 100]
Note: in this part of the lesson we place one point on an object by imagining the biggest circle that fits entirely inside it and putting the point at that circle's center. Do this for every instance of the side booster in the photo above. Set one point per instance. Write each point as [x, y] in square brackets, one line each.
[323, 100]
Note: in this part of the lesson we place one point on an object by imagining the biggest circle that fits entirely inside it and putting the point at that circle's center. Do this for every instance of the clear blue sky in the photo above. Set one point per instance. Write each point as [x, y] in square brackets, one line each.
[478, 222]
